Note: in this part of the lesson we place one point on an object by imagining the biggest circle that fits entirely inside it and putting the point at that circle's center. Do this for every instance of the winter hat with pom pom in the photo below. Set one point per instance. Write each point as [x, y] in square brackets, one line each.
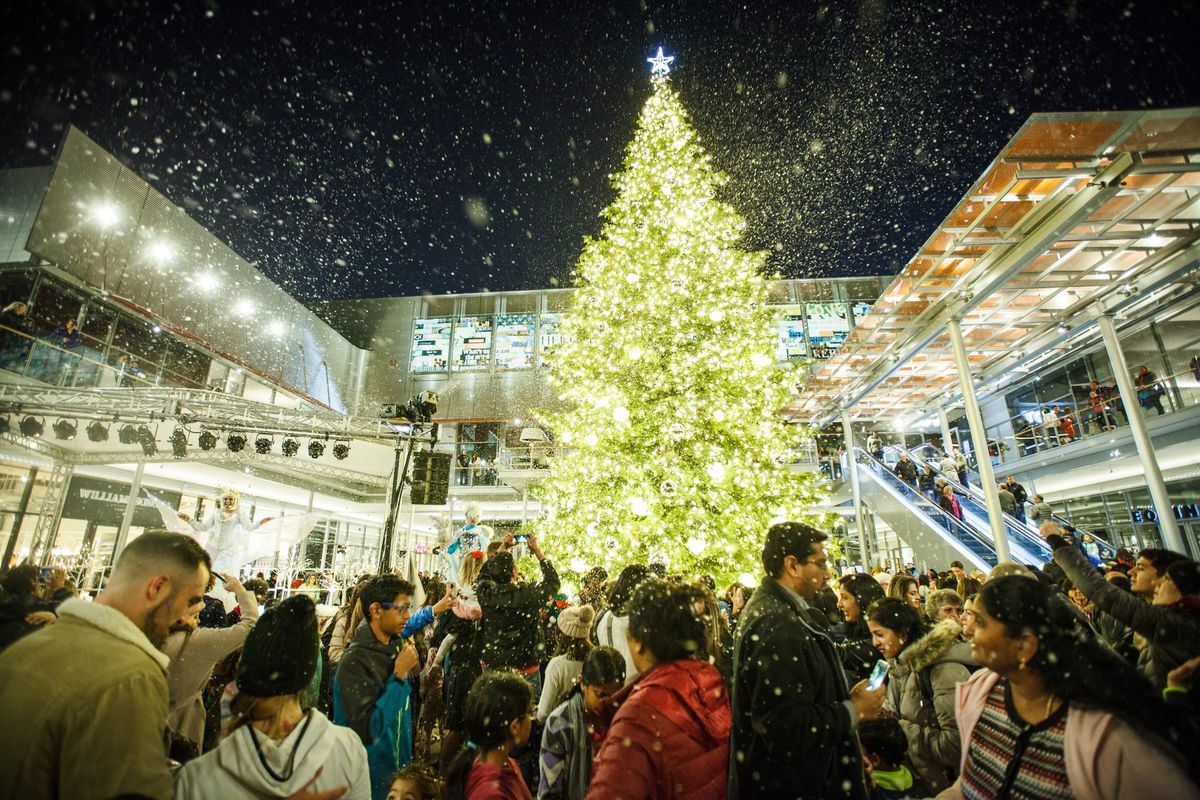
[280, 656]
[576, 621]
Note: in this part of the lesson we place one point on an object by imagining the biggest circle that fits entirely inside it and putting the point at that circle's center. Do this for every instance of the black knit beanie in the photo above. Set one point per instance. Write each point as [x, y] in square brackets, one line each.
[280, 656]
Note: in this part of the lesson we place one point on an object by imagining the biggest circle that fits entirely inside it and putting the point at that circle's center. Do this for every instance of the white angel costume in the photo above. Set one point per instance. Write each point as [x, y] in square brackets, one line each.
[232, 539]
[470, 538]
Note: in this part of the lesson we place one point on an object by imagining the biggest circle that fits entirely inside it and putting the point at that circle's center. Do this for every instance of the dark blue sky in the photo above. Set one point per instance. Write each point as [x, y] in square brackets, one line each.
[368, 149]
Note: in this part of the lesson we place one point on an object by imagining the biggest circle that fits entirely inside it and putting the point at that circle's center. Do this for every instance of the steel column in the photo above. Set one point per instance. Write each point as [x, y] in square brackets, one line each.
[983, 459]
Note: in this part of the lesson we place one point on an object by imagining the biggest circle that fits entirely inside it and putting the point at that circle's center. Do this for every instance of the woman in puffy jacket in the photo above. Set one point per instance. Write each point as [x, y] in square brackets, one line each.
[669, 730]
[926, 666]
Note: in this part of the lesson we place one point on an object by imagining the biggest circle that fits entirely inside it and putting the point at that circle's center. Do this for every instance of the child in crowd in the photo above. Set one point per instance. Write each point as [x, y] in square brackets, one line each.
[498, 718]
[417, 781]
[573, 731]
[884, 745]
[574, 642]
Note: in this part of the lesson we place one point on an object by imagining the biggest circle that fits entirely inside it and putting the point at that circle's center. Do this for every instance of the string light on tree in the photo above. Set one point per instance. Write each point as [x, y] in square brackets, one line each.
[667, 373]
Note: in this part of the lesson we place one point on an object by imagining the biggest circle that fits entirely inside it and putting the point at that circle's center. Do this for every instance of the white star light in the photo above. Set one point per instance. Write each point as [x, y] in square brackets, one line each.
[660, 64]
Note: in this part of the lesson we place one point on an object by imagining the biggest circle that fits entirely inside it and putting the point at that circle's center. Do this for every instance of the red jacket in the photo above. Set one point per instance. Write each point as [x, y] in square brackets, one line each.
[669, 737]
[485, 782]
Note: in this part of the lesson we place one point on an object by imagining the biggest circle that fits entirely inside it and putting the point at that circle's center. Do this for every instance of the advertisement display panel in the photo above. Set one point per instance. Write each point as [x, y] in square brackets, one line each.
[828, 327]
[472, 343]
[514, 341]
[431, 345]
[792, 346]
[549, 336]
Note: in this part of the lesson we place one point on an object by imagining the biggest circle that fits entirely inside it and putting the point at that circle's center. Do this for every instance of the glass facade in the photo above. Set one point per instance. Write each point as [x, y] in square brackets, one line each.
[109, 347]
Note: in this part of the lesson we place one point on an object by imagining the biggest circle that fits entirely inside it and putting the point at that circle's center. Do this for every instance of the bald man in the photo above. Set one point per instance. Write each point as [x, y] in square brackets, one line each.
[83, 703]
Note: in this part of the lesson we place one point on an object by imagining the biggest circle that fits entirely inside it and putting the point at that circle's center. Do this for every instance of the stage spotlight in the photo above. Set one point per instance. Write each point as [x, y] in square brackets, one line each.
[290, 447]
[64, 429]
[5, 425]
[96, 432]
[127, 435]
[236, 442]
[179, 443]
[208, 440]
[341, 451]
[146, 439]
[316, 449]
[262, 445]
[32, 427]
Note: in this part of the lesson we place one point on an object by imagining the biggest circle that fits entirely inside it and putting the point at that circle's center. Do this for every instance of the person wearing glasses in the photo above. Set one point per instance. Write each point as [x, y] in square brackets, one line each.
[371, 691]
[794, 714]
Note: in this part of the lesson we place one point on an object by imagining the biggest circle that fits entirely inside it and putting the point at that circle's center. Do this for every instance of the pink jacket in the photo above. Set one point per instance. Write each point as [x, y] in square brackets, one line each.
[1105, 757]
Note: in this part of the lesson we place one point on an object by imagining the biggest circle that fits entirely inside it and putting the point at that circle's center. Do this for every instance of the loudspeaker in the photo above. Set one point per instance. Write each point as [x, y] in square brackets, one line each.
[431, 478]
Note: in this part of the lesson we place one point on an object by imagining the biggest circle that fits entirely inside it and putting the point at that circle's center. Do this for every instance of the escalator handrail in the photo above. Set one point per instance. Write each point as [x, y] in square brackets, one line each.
[976, 493]
[1034, 545]
[924, 507]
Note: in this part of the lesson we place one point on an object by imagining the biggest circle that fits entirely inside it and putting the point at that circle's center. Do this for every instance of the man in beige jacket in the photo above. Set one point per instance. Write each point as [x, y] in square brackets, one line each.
[83, 703]
[194, 651]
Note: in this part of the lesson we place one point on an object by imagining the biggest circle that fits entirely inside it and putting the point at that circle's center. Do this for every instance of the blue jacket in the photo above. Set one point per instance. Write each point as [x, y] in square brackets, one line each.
[369, 699]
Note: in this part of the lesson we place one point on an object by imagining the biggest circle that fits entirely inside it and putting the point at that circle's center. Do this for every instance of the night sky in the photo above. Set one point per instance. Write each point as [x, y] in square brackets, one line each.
[373, 149]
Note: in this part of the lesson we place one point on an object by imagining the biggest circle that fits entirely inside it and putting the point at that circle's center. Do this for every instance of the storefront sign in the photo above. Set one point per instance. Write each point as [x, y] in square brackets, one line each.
[104, 502]
[1148, 516]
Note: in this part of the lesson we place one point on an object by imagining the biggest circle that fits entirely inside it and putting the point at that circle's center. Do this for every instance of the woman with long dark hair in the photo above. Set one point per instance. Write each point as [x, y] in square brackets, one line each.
[927, 664]
[1054, 713]
[498, 718]
[906, 588]
[856, 593]
[613, 623]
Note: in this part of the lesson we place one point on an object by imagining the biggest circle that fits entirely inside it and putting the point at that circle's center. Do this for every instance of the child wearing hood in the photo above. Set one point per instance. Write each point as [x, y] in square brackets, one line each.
[274, 747]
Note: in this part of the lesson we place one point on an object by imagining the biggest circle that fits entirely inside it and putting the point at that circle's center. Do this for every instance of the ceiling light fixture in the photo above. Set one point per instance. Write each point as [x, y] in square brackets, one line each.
[263, 444]
[96, 432]
[65, 429]
[31, 427]
[208, 440]
[290, 447]
[179, 443]
[316, 449]
[341, 450]
[236, 442]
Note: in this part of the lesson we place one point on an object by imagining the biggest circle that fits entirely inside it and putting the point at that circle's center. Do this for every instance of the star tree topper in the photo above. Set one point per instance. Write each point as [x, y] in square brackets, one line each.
[660, 64]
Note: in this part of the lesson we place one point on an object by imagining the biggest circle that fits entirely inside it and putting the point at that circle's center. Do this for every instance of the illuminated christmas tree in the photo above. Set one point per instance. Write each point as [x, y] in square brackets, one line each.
[673, 433]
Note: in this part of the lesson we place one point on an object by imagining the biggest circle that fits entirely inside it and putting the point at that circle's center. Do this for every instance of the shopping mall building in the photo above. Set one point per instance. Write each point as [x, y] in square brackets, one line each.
[1075, 258]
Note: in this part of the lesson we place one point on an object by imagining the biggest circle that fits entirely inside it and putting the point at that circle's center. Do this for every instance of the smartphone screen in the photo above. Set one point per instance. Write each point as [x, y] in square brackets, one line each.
[521, 538]
[878, 673]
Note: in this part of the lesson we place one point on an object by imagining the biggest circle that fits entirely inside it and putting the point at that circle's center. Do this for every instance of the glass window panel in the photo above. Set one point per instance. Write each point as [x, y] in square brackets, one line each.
[791, 344]
[431, 345]
[828, 327]
[97, 323]
[186, 367]
[472, 343]
[514, 341]
[52, 306]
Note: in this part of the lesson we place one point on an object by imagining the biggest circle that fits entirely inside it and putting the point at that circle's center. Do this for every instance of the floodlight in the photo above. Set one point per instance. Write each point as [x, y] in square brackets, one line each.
[262, 445]
[236, 442]
[105, 214]
[179, 443]
[290, 447]
[341, 451]
[146, 440]
[65, 429]
[316, 449]
[32, 427]
[208, 440]
[96, 432]
[127, 435]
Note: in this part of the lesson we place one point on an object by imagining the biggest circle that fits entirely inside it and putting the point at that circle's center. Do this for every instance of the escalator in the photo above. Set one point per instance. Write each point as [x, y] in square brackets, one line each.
[934, 536]
[972, 501]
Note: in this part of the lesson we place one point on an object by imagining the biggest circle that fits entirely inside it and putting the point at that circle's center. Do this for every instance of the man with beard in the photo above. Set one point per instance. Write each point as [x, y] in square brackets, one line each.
[85, 700]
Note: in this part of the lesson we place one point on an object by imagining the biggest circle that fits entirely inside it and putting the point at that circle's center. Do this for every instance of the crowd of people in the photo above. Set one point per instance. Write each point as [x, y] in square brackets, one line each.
[1069, 680]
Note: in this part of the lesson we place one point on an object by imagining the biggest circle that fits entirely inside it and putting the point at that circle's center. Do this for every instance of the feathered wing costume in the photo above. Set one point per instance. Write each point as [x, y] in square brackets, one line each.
[232, 540]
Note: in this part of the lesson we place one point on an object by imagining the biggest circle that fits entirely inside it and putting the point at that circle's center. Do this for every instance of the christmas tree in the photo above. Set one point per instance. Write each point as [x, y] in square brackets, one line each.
[672, 440]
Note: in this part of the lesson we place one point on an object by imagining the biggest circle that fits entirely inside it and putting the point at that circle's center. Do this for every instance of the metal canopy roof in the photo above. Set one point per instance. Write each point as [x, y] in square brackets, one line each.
[1080, 212]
